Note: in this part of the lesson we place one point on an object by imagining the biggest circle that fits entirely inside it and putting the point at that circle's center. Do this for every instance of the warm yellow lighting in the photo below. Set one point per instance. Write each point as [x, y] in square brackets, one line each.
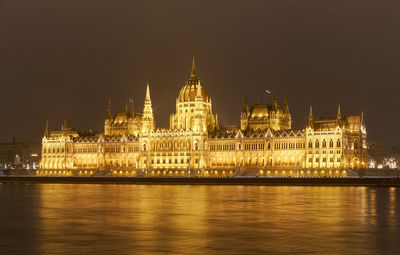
[265, 139]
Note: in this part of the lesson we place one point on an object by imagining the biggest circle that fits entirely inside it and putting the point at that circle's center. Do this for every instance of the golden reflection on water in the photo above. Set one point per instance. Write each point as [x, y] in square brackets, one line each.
[167, 219]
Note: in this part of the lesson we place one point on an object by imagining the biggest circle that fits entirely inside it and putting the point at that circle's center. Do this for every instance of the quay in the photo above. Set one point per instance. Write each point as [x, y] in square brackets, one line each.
[267, 181]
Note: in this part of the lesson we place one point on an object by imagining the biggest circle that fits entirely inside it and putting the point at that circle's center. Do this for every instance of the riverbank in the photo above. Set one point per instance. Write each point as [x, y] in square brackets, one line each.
[284, 181]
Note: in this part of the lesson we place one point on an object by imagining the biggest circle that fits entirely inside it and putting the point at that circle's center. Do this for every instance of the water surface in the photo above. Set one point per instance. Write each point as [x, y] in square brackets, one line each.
[168, 219]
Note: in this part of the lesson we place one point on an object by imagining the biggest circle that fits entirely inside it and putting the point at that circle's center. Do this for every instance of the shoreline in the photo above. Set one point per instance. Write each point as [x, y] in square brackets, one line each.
[257, 181]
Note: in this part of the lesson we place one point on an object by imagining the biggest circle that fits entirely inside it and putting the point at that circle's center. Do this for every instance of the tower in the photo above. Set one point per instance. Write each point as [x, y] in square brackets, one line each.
[244, 116]
[193, 107]
[109, 118]
[285, 106]
[148, 117]
[310, 118]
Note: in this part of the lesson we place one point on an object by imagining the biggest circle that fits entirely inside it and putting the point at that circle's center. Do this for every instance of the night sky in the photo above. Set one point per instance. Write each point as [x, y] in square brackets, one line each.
[63, 59]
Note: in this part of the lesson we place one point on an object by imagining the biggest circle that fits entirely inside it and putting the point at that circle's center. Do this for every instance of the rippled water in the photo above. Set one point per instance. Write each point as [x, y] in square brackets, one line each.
[164, 219]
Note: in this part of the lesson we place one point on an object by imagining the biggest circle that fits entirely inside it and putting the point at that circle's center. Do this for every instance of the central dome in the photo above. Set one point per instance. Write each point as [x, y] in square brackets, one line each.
[190, 89]
[189, 92]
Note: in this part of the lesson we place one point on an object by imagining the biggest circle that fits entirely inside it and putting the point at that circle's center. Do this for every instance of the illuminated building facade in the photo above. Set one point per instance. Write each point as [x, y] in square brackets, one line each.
[195, 144]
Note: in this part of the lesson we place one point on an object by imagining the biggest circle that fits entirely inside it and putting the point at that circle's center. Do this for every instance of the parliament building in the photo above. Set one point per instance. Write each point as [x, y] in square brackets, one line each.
[196, 145]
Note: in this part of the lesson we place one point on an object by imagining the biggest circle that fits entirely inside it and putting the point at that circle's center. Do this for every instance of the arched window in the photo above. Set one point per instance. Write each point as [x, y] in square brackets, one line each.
[338, 144]
[356, 144]
[324, 144]
[269, 146]
[144, 147]
[317, 144]
[309, 144]
[196, 146]
[331, 143]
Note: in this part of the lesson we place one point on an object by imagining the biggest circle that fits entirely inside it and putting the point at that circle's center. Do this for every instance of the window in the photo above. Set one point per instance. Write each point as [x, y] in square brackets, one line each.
[309, 144]
[356, 144]
[331, 143]
[317, 144]
[324, 144]
[338, 143]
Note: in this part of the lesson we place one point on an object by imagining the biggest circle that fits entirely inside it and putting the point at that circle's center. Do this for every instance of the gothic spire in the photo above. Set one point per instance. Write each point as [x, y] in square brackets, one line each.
[274, 102]
[148, 92]
[193, 75]
[285, 105]
[109, 112]
[339, 114]
[198, 92]
[245, 106]
[46, 131]
[310, 118]
[132, 107]
[148, 117]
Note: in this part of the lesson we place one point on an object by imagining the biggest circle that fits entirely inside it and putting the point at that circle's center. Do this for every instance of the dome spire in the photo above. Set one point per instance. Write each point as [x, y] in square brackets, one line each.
[193, 74]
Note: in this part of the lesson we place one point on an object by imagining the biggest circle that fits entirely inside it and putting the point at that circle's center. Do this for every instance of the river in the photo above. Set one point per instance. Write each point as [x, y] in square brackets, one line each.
[191, 219]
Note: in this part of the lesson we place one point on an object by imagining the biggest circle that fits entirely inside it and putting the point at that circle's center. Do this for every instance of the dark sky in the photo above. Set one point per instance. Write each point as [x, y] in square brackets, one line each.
[63, 59]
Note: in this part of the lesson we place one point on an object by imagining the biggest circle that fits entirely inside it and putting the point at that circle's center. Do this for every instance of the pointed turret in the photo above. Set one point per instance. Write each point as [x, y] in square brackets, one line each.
[362, 123]
[148, 92]
[339, 114]
[46, 131]
[148, 117]
[274, 103]
[109, 112]
[126, 107]
[193, 75]
[65, 124]
[285, 106]
[132, 107]
[245, 106]
[310, 118]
